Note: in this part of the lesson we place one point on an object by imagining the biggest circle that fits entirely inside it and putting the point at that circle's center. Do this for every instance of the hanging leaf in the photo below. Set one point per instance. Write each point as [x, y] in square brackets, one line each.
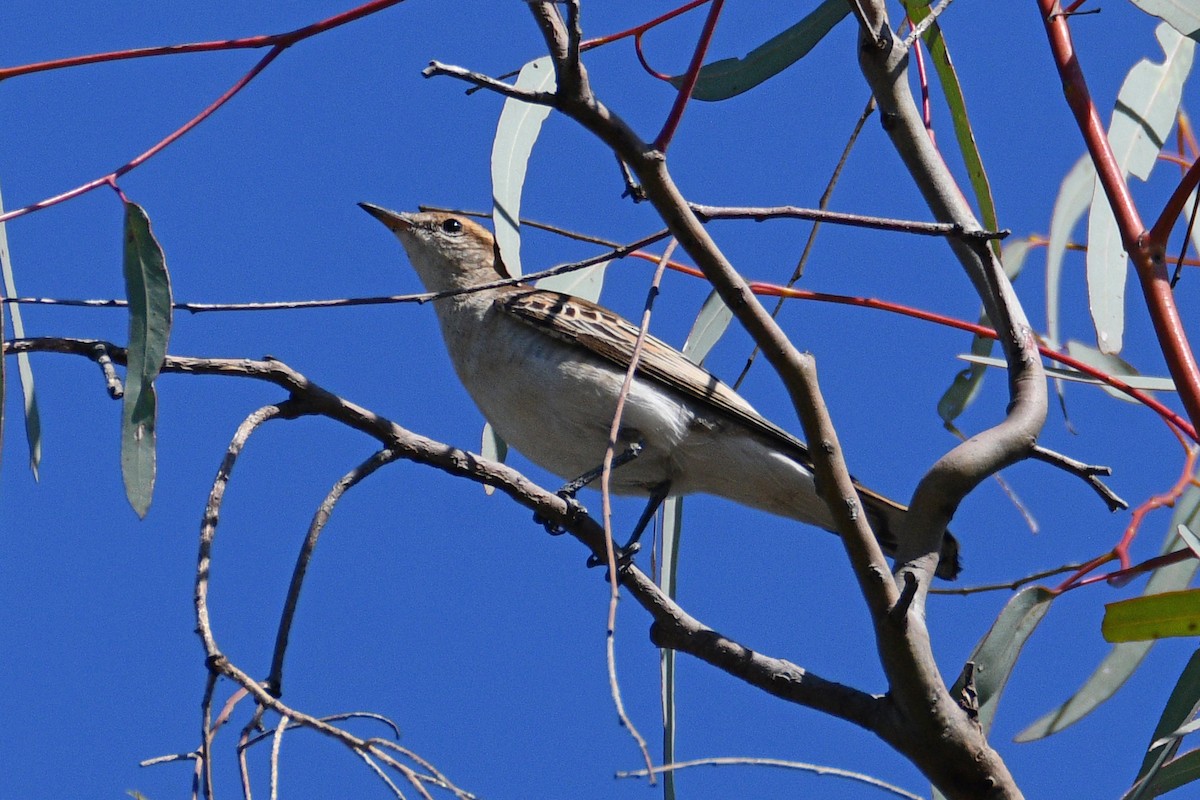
[996, 654]
[1156, 616]
[1181, 15]
[518, 128]
[148, 289]
[1181, 706]
[1123, 659]
[33, 419]
[710, 325]
[730, 77]
[492, 447]
[1142, 120]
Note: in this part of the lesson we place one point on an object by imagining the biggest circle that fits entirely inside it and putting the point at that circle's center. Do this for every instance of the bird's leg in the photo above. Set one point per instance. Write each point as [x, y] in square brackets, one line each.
[569, 490]
[626, 552]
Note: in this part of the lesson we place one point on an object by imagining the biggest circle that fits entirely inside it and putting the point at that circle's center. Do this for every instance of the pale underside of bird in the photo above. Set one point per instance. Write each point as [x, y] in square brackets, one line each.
[546, 368]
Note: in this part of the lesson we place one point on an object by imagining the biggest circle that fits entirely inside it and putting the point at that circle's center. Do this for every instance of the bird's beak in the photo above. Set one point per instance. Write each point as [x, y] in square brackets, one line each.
[394, 220]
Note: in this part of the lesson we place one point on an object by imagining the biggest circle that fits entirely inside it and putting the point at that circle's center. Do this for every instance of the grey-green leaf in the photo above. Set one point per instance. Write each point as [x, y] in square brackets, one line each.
[1182, 15]
[33, 419]
[518, 128]
[996, 654]
[1181, 706]
[493, 447]
[148, 289]
[711, 323]
[729, 77]
[1141, 121]
[1123, 659]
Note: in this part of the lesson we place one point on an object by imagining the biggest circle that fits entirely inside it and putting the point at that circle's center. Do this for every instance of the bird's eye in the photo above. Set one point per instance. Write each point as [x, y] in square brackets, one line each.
[452, 225]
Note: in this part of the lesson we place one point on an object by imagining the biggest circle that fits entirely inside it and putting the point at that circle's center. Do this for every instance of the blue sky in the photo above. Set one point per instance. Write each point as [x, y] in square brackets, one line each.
[428, 602]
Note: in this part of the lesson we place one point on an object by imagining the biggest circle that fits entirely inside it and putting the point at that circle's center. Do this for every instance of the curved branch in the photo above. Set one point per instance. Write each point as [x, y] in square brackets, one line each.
[671, 623]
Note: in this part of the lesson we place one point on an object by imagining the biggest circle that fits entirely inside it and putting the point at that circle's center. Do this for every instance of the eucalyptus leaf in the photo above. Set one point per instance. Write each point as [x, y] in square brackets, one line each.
[1142, 119]
[1121, 662]
[730, 77]
[33, 418]
[1182, 15]
[518, 128]
[148, 289]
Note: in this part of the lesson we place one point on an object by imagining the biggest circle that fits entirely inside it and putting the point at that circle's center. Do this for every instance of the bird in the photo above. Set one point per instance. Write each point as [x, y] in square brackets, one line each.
[545, 369]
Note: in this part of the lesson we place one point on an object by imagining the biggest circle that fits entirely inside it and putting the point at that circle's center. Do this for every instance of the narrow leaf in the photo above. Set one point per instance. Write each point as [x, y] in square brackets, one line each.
[996, 654]
[1145, 383]
[492, 447]
[1142, 119]
[1123, 659]
[586, 283]
[1108, 363]
[33, 419]
[710, 325]
[1181, 706]
[669, 583]
[1156, 616]
[518, 128]
[1182, 15]
[1074, 197]
[148, 289]
[918, 10]
[1176, 773]
[730, 77]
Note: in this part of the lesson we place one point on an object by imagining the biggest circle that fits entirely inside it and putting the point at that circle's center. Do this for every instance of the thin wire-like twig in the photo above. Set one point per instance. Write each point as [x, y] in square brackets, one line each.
[606, 502]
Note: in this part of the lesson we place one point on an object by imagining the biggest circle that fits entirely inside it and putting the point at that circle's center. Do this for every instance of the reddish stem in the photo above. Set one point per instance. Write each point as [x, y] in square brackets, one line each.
[110, 178]
[638, 30]
[1147, 253]
[272, 40]
[689, 78]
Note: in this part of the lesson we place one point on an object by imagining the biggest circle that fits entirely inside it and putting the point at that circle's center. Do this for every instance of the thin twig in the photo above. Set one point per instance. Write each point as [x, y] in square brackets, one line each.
[944, 229]
[606, 501]
[1088, 472]
[347, 482]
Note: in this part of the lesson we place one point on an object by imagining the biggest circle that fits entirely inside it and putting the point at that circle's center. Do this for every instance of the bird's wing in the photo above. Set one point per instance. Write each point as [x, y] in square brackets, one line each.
[612, 337]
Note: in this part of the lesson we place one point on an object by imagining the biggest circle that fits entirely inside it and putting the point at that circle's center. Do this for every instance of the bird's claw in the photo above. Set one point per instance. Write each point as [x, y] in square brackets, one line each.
[574, 511]
[624, 556]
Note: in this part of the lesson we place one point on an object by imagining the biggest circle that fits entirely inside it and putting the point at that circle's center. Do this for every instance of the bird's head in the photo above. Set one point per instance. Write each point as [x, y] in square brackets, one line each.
[448, 251]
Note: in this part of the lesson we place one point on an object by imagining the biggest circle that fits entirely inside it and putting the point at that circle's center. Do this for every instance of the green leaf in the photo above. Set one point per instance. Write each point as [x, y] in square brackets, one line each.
[33, 419]
[148, 289]
[1182, 15]
[729, 77]
[1175, 773]
[996, 654]
[1141, 121]
[1157, 616]
[1181, 706]
[518, 128]
[918, 10]
[1123, 659]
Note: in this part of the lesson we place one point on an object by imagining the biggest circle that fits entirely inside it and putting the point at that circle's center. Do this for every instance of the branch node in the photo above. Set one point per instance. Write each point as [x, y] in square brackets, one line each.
[112, 383]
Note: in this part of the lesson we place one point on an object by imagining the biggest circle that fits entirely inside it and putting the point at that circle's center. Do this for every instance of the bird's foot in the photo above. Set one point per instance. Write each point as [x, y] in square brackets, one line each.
[574, 510]
[624, 556]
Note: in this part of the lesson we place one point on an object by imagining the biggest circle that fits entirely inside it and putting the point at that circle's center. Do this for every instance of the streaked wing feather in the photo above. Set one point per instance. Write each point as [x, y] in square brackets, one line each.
[611, 337]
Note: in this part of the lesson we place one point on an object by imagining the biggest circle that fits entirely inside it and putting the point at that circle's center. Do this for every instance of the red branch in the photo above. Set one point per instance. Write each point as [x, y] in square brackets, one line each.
[689, 78]
[1147, 252]
[277, 42]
